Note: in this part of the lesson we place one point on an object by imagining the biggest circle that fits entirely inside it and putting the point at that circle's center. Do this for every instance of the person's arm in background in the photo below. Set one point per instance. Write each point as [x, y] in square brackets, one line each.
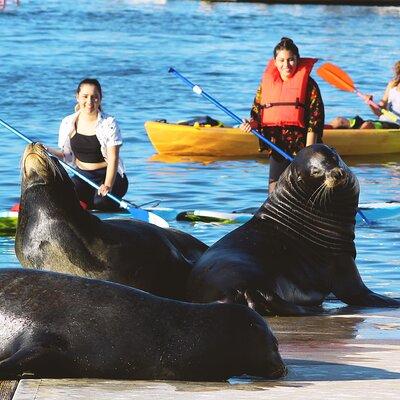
[316, 114]
[63, 134]
[112, 168]
[382, 104]
[255, 117]
[113, 144]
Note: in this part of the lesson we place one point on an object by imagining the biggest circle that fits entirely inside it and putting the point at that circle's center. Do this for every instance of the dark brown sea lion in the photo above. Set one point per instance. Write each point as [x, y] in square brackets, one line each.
[59, 326]
[296, 250]
[56, 234]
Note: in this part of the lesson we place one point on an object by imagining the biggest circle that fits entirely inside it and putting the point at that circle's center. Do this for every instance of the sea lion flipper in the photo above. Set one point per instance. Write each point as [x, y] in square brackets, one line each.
[349, 287]
[15, 364]
[369, 298]
[34, 352]
[272, 304]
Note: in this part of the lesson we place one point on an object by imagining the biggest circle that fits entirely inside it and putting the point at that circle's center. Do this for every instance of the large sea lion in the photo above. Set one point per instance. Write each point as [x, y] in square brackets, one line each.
[57, 326]
[296, 250]
[55, 233]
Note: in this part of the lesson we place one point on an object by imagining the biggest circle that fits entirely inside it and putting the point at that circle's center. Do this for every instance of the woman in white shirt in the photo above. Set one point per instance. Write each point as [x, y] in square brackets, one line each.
[90, 140]
[390, 102]
[391, 98]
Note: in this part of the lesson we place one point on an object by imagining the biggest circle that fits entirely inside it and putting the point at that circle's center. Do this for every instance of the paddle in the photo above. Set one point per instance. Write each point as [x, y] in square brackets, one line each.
[338, 78]
[198, 90]
[135, 212]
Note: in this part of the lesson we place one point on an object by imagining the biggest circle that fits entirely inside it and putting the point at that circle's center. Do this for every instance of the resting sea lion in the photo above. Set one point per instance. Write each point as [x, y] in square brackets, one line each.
[62, 326]
[296, 250]
[55, 233]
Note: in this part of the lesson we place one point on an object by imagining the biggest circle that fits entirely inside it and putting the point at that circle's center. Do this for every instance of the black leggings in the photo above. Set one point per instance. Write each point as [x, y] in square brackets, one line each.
[89, 195]
[276, 168]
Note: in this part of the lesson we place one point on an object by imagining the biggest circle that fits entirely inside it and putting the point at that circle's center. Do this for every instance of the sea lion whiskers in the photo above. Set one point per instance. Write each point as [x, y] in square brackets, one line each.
[327, 196]
[323, 194]
[316, 195]
[324, 197]
[320, 197]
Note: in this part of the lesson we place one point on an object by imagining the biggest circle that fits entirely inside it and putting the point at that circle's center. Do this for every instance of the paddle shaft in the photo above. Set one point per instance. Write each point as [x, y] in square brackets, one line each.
[122, 203]
[341, 80]
[198, 90]
[389, 114]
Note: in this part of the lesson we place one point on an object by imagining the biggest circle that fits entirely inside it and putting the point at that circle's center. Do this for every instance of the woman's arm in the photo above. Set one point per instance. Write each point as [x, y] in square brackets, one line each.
[316, 114]
[382, 104]
[64, 151]
[255, 117]
[311, 138]
[112, 168]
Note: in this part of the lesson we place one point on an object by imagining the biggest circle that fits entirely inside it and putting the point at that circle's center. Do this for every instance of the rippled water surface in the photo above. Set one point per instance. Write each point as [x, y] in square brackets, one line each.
[47, 47]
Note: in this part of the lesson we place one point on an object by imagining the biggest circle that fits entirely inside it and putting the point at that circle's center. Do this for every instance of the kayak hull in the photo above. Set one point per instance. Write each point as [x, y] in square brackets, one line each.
[183, 140]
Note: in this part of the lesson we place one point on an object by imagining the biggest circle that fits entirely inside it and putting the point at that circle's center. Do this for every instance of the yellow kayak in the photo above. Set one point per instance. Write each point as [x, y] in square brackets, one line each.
[184, 140]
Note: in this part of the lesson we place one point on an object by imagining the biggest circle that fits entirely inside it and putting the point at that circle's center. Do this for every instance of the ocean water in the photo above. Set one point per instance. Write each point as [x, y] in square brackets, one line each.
[47, 47]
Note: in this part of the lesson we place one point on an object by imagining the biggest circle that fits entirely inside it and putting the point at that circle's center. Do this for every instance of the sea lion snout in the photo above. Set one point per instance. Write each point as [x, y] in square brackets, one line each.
[334, 177]
[35, 163]
[276, 367]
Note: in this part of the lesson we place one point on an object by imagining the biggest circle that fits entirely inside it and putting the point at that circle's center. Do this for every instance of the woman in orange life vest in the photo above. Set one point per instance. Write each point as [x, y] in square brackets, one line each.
[288, 108]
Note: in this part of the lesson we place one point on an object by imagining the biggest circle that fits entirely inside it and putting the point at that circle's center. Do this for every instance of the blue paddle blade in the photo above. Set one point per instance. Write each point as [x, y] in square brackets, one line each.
[139, 214]
[146, 216]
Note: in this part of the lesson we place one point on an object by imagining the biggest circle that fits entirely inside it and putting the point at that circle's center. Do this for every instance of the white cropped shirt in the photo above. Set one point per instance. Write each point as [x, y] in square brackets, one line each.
[107, 132]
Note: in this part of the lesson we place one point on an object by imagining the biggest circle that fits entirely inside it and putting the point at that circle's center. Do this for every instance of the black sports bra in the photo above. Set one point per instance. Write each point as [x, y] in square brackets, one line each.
[86, 148]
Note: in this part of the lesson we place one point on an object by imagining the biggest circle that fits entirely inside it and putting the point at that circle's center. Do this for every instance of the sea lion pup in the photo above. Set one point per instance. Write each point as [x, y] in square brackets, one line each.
[296, 250]
[62, 326]
[56, 234]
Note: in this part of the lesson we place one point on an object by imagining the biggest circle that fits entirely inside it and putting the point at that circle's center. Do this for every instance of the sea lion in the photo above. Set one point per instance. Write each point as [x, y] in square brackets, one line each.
[62, 326]
[296, 250]
[55, 233]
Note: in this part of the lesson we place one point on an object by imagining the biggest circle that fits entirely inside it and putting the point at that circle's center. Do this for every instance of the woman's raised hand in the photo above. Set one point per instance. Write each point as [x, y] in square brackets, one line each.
[245, 126]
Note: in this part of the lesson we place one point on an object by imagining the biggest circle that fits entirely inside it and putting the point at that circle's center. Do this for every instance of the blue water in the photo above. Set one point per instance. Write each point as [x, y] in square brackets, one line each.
[47, 47]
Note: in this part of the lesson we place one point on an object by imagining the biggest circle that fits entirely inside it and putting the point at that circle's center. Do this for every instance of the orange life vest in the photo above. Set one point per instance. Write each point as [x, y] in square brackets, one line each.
[283, 102]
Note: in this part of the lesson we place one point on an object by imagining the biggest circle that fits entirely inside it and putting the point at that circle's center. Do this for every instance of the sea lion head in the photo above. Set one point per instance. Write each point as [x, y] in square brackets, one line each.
[315, 200]
[320, 178]
[41, 170]
[39, 167]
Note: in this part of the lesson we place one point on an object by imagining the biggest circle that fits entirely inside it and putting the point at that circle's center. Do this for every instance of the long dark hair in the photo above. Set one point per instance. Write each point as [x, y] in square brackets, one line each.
[286, 44]
[89, 81]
